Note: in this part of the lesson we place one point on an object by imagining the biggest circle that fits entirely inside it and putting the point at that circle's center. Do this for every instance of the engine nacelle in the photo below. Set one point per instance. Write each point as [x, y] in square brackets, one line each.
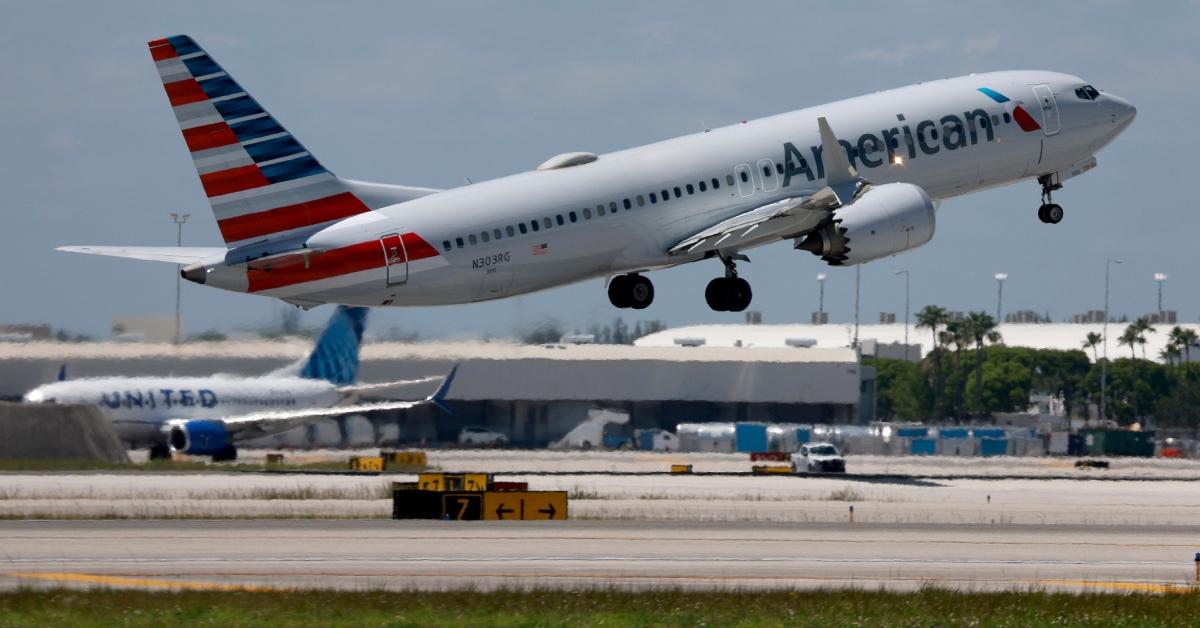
[198, 437]
[885, 220]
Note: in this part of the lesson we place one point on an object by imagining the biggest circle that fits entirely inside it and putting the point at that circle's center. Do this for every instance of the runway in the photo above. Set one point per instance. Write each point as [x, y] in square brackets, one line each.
[395, 555]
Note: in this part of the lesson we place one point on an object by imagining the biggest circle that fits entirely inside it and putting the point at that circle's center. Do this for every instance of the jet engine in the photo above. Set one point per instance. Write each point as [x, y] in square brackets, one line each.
[200, 438]
[884, 220]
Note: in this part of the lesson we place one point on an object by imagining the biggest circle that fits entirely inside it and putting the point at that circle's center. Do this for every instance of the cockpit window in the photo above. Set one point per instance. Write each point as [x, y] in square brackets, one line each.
[1087, 92]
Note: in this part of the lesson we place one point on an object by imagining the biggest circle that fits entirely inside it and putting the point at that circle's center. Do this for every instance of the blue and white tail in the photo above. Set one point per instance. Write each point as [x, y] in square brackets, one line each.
[335, 356]
[260, 180]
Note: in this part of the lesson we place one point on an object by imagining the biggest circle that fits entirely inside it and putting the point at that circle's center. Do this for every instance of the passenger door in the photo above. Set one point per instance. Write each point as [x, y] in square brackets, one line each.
[745, 179]
[395, 258]
[1050, 121]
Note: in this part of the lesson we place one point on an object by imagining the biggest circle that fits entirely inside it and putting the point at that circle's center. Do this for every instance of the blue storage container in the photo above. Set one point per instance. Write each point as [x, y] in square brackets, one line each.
[803, 435]
[912, 432]
[953, 432]
[923, 447]
[750, 437]
[990, 432]
[993, 446]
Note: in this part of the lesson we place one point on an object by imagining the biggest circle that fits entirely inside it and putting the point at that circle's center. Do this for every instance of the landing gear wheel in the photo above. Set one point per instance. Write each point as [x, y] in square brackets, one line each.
[228, 453]
[715, 294]
[631, 291]
[618, 291]
[1053, 213]
[639, 292]
[728, 294]
[739, 295]
[1050, 212]
[160, 451]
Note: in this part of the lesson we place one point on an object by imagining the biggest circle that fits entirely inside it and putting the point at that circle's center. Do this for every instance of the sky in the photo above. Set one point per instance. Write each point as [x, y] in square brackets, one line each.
[434, 93]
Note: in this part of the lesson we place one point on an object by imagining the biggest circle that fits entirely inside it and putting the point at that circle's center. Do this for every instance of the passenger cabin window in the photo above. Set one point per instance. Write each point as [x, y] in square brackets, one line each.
[485, 236]
[766, 171]
[745, 177]
[472, 239]
[653, 198]
[666, 195]
[677, 193]
[717, 184]
[534, 225]
[691, 190]
[627, 204]
[641, 201]
[510, 231]
[1007, 119]
[779, 168]
[496, 234]
[587, 214]
[600, 210]
[446, 244]
[572, 216]
[729, 180]
[521, 226]
[703, 187]
[613, 207]
[459, 242]
[546, 223]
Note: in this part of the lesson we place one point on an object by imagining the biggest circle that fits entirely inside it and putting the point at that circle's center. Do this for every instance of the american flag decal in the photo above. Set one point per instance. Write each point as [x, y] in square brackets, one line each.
[538, 249]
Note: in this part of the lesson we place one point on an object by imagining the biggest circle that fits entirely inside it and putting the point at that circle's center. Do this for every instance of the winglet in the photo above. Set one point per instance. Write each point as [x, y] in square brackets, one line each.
[438, 398]
[62, 372]
[840, 176]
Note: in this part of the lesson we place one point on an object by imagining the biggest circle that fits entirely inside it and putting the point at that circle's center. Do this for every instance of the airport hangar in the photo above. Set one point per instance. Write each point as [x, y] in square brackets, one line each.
[534, 394]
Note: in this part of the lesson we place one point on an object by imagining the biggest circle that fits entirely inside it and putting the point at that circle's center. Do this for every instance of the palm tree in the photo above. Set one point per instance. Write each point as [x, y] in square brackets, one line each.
[1183, 340]
[980, 328]
[1129, 337]
[1143, 327]
[1093, 341]
[1170, 354]
[933, 317]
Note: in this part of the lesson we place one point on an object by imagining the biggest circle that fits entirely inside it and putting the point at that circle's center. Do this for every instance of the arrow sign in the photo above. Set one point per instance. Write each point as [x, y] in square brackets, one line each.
[548, 511]
[501, 511]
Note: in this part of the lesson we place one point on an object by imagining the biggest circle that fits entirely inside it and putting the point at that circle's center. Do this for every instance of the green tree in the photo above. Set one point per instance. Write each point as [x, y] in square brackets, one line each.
[980, 328]
[902, 390]
[1129, 337]
[933, 318]
[1092, 342]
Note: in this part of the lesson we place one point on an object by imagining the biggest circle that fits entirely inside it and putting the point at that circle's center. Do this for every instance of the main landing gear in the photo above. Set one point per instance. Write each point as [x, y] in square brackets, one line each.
[631, 291]
[729, 293]
[1050, 213]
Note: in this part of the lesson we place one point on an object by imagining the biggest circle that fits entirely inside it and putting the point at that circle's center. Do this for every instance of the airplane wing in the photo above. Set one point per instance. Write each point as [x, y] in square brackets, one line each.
[269, 422]
[787, 218]
[172, 254]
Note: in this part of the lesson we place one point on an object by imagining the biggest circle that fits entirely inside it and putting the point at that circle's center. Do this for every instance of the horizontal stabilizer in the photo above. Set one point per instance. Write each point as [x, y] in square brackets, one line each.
[366, 388]
[171, 254]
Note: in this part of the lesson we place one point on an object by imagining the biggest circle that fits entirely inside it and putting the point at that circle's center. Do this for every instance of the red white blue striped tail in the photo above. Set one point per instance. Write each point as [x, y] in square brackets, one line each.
[260, 180]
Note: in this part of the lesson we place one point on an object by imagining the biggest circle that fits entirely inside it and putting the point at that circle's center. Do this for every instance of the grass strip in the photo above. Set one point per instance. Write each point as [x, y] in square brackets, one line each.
[612, 607]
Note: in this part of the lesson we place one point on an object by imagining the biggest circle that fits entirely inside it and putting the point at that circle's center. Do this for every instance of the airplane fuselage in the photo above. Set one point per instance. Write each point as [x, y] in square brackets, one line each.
[138, 407]
[623, 211]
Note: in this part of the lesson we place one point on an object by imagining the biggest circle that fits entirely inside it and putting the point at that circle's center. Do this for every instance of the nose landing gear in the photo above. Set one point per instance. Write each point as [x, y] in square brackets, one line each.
[631, 291]
[1050, 212]
[729, 293]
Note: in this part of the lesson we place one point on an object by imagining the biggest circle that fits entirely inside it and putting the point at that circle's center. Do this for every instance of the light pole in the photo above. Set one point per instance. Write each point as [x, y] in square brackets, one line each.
[178, 219]
[906, 277]
[821, 299]
[857, 276]
[1160, 279]
[1104, 333]
[1000, 277]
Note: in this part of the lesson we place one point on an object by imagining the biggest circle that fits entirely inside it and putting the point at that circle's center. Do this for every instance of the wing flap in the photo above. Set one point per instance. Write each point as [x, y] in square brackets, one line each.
[754, 227]
[170, 254]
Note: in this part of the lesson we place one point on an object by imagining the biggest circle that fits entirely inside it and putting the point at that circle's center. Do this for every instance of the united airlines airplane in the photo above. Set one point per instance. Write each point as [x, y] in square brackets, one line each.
[850, 181]
[208, 416]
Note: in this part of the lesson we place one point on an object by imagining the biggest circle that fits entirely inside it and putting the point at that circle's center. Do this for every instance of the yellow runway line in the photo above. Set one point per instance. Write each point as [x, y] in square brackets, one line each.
[1119, 585]
[142, 583]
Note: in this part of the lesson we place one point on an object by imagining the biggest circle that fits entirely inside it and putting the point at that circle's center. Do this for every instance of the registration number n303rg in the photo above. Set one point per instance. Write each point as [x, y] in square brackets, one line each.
[491, 260]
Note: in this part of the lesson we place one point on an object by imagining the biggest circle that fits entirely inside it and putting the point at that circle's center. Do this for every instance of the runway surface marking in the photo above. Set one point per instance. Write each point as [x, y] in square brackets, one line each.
[141, 583]
[1119, 585]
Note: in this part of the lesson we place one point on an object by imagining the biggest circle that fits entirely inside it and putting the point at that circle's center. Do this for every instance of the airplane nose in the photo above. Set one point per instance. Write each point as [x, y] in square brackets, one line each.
[1123, 111]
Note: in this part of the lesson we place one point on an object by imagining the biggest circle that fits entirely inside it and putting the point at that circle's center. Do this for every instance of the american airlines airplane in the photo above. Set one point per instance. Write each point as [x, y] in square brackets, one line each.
[208, 416]
[850, 181]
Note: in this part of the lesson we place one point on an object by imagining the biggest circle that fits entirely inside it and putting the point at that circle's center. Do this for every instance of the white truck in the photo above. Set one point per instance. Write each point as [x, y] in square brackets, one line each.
[818, 458]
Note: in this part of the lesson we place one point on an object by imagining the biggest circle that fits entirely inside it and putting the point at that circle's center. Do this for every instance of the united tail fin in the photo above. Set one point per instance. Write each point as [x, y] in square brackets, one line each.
[261, 182]
[335, 356]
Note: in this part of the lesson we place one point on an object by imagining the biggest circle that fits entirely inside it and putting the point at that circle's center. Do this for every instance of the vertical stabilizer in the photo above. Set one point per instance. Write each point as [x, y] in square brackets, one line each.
[335, 357]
